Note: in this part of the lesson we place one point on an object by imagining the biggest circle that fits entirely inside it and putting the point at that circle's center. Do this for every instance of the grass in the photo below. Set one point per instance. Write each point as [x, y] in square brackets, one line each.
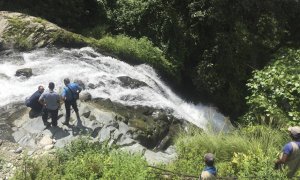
[85, 160]
[139, 51]
[243, 152]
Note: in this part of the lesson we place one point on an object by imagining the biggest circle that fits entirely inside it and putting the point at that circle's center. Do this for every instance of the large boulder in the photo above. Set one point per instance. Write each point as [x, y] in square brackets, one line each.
[26, 32]
[152, 128]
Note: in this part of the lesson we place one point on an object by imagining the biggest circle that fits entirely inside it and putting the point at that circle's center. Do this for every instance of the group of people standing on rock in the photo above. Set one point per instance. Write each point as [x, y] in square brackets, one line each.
[48, 102]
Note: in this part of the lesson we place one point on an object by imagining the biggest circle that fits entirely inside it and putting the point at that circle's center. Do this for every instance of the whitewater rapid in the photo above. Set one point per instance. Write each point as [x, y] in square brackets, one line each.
[102, 71]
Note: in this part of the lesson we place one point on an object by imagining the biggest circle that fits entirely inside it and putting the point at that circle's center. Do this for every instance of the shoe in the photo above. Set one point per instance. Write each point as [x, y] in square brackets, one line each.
[47, 125]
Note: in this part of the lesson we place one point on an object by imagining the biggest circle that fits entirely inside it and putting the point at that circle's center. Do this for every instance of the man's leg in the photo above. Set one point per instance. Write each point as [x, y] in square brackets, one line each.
[68, 111]
[45, 116]
[74, 106]
[54, 114]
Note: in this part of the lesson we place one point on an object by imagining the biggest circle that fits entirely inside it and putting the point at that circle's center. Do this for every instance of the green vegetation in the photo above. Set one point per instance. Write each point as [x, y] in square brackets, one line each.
[243, 56]
[217, 43]
[243, 153]
[20, 33]
[275, 91]
[139, 51]
[246, 152]
[84, 160]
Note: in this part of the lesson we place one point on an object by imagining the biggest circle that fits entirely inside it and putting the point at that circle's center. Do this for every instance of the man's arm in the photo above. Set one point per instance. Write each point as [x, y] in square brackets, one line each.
[58, 101]
[287, 150]
[41, 99]
[281, 160]
[63, 95]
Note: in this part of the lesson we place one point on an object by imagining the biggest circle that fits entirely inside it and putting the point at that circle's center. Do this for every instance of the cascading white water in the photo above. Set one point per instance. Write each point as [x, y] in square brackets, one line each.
[102, 71]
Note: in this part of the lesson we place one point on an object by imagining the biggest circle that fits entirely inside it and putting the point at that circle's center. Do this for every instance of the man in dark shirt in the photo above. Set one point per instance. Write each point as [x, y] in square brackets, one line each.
[33, 103]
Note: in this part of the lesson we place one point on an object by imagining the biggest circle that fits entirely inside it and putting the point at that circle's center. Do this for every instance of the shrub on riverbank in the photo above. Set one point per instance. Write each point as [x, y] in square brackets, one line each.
[275, 91]
[85, 160]
[249, 151]
[245, 152]
[139, 51]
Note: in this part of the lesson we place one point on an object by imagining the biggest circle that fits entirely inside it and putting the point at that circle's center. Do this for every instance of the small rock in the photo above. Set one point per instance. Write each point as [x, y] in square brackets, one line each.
[46, 140]
[86, 114]
[9, 165]
[80, 83]
[85, 96]
[14, 128]
[30, 153]
[91, 86]
[48, 147]
[53, 141]
[19, 150]
[92, 117]
[27, 72]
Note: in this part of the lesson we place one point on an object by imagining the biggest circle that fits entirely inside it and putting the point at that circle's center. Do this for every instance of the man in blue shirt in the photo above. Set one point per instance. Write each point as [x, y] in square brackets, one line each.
[291, 154]
[210, 171]
[33, 103]
[70, 94]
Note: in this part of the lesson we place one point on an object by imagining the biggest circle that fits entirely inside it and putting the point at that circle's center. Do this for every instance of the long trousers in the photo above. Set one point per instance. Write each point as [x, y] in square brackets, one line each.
[68, 105]
[53, 113]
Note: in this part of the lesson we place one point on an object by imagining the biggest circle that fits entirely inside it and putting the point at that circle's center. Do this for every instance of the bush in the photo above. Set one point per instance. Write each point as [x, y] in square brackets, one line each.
[122, 165]
[258, 165]
[139, 51]
[275, 91]
[85, 160]
[249, 151]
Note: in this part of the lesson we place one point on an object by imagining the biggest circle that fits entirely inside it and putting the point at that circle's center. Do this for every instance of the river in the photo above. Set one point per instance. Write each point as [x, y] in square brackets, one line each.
[102, 73]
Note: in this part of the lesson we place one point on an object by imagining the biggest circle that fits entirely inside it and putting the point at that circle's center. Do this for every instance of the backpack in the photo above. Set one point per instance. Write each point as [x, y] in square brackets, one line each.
[75, 95]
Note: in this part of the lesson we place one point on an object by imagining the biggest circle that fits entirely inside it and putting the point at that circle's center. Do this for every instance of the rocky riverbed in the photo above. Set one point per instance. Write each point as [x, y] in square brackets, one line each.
[142, 130]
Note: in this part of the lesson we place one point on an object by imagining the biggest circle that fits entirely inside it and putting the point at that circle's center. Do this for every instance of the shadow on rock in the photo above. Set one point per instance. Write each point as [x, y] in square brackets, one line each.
[80, 129]
[58, 132]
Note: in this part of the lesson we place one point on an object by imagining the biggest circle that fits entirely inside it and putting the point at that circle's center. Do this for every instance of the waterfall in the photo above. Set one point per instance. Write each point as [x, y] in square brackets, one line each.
[102, 72]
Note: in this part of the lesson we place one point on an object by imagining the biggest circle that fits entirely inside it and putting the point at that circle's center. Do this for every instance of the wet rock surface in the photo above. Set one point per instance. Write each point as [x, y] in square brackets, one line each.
[131, 83]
